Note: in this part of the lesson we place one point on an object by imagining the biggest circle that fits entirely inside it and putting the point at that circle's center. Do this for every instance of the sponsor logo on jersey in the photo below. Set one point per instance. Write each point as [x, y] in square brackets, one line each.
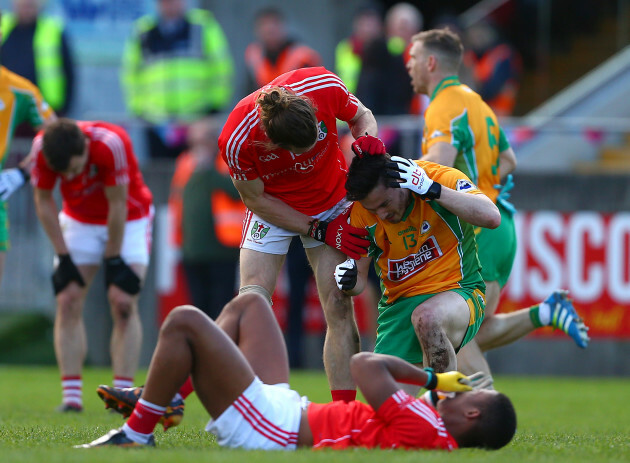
[322, 131]
[426, 226]
[410, 228]
[465, 185]
[259, 230]
[401, 269]
[269, 157]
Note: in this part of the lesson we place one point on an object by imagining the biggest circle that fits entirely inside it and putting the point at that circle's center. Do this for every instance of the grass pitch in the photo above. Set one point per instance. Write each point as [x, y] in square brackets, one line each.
[560, 420]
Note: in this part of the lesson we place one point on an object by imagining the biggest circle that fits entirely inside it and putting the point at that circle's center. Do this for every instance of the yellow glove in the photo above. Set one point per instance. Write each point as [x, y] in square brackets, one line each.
[452, 381]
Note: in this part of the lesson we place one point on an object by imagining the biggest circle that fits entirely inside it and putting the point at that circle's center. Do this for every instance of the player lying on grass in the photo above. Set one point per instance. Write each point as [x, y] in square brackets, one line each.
[240, 371]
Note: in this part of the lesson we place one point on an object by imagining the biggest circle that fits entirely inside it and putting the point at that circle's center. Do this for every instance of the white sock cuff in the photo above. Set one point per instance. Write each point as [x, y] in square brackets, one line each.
[152, 407]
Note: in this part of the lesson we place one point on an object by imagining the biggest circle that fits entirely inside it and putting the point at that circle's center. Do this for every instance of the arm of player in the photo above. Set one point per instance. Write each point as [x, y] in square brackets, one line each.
[363, 122]
[116, 218]
[476, 209]
[377, 375]
[507, 162]
[270, 208]
[441, 153]
[46, 210]
[117, 271]
[336, 233]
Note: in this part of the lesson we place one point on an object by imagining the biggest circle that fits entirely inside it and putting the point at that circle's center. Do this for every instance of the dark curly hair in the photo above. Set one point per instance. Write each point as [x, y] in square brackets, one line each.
[364, 174]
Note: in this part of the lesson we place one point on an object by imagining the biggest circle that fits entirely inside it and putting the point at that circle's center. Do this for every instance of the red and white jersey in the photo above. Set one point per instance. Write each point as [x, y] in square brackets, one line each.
[401, 422]
[111, 161]
[311, 182]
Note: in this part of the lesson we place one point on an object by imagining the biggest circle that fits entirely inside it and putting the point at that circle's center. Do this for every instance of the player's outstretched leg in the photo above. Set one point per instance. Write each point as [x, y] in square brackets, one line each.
[190, 343]
[250, 322]
[558, 311]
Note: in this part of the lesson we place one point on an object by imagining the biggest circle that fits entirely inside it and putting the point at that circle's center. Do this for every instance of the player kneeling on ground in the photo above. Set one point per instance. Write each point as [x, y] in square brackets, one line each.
[244, 387]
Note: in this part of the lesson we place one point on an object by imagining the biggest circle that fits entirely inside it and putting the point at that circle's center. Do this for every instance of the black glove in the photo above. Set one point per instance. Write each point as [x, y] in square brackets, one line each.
[65, 272]
[118, 273]
[346, 275]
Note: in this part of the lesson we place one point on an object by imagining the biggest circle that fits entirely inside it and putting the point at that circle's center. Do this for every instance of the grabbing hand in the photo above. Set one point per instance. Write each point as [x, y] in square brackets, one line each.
[338, 234]
[11, 180]
[480, 380]
[118, 273]
[346, 275]
[451, 381]
[368, 145]
[413, 178]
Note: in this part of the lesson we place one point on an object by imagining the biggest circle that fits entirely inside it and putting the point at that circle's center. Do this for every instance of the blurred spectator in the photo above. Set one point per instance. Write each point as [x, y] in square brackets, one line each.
[208, 217]
[274, 51]
[367, 25]
[403, 21]
[36, 47]
[177, 68]
[496, 67]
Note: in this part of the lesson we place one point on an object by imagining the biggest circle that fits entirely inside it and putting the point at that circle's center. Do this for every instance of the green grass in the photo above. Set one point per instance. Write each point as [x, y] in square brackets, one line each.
[560, 420]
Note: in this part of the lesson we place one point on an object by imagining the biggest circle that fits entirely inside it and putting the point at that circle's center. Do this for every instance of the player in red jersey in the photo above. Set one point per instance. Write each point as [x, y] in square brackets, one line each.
[106, 215]
[281, 146]
[245, 390]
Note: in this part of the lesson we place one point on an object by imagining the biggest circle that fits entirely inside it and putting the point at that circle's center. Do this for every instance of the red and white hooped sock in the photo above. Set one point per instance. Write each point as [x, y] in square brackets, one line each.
[123, 381]
[72, 390]
[143, 420]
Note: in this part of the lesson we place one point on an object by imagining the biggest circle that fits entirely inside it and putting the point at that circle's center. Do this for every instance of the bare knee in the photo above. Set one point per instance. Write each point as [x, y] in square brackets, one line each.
[424, 320]
[69, 306]
[338, 308]
[122, 308]
[183, 318]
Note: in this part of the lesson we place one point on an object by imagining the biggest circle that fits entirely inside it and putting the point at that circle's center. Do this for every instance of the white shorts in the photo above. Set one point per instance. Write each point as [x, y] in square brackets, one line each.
[86, 242]
[264, 417]
[260, 235]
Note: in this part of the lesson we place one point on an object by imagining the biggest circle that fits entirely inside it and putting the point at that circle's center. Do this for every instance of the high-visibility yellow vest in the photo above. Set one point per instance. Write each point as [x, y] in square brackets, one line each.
[51, 78]
[182, 85]
[347, 64]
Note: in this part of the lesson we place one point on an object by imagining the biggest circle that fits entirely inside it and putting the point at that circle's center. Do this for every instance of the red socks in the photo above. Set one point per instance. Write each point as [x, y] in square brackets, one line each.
[347, 395]
[186, 388]
[145, 416]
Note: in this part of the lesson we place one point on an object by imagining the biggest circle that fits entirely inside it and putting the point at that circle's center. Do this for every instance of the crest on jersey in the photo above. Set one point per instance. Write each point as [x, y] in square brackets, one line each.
[259, 230]
[436, 133]
[322, 131]
[425, 227]
[465, 185]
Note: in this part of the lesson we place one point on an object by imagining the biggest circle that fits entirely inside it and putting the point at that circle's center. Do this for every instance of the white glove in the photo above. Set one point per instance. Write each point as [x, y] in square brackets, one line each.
[413, 177]
[346, 275]
[480, 380]
[10, 181]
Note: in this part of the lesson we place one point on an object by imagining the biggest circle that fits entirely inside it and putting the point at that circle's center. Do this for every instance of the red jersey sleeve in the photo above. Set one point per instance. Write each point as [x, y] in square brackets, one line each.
[412, 423]
[42, 176]
[347, 103]
[111, 150]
